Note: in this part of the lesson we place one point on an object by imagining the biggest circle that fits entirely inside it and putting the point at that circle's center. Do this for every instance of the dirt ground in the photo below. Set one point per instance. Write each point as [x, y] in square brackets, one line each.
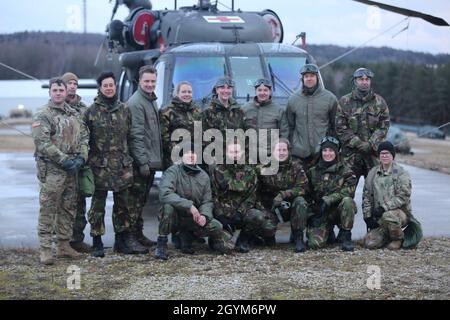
[263, 273]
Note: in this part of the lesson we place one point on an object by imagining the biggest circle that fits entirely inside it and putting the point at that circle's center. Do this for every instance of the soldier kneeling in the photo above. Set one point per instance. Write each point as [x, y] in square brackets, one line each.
[331, 185]
[187, 206]
[387, 204]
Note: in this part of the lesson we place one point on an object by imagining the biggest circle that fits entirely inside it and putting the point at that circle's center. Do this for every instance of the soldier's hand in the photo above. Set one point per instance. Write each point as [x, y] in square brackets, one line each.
[69, 166]
[371, 223]
[79, 163]
[201, 221]
[194, 211]
[144, 170]
[277, 201]
[378, 212]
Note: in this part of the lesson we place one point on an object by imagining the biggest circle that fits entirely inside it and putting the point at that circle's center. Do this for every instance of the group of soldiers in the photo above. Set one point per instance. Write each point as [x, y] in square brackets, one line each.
[322, 147]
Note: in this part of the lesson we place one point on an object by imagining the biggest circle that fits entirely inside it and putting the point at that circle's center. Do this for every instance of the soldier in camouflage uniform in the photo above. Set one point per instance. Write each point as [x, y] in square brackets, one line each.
[109, 122]
[179, 114]
[235, 204]
[290, 185]
[186, 199]
[387, 204]
[74, 100]
[145, 147]
[362, 122]
[223, 113]
[331, 186]
[61, 141]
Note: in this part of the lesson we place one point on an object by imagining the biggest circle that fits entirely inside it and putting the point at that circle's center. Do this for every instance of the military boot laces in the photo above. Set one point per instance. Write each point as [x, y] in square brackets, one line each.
[161, 248]
[298, 240]
[347, 244]
[97, 247]
[132, 243]
[242, 244]
[186, 242]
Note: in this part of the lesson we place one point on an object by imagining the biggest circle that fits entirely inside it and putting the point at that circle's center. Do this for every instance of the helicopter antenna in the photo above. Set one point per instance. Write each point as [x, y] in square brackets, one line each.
[362, 45]
[225, 6]
[20, 72]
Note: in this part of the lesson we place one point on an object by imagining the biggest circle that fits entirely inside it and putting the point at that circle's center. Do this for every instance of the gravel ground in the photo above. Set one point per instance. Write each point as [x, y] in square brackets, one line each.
[275, 273]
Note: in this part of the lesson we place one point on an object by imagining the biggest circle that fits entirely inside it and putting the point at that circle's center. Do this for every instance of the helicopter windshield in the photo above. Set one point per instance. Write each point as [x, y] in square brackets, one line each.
[245, 71]
[202, 72]
[285, 74]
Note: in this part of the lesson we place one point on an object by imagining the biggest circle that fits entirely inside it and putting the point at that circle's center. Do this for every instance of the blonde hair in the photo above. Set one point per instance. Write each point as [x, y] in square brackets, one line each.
[178, 87]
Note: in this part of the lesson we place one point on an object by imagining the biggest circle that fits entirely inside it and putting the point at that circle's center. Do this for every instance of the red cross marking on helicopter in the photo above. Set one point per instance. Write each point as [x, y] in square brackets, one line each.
[223, 19]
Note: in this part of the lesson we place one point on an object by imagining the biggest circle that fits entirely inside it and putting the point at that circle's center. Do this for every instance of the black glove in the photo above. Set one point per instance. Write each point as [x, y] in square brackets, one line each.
[79, 163]
[378, 212]
[371, 223]
[69, 166]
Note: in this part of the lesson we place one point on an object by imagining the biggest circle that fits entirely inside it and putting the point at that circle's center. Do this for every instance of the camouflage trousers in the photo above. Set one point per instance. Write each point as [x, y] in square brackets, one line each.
[298, 214]
[391, 223]
[57, 200]
[254, 222]
[80, 219]
[137, 198]
[120, 214]
[171, 220]
[360, 163]
[343, 216]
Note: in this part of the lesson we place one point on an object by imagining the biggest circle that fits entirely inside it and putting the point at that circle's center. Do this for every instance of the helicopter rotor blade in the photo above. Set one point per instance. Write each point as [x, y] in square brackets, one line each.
[406, 12]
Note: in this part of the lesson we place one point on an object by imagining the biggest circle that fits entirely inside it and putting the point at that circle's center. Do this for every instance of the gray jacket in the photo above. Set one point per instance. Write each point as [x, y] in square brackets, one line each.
[310, 118]
[145, 133]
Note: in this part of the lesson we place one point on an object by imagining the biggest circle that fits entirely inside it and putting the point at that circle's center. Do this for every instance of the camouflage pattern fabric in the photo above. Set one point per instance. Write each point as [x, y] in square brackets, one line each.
[334, 184]
[361, 120]
[137, 198]
[234, 189]
[120, 217]
[291, 184]
[391, 223]
[58, 135]
[177, 115]
[109, 159]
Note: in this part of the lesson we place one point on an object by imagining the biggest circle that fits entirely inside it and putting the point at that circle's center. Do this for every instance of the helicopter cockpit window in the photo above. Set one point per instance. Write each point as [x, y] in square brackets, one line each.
[245, 71]
[202, 72]
[285, 73]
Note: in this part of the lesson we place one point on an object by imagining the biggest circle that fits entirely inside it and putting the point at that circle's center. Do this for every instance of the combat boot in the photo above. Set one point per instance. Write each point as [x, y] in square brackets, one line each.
[298, 240]
[270, 241]
[218, 245]
[119, 244]
[80, 246]
[332, 237]
[64, 250]
[186, 242]
[46, 256]
[394, 245]
[143, 240]
[242, 244]
[161, 248]
[97, 247]
[130, 241]
[347, 244]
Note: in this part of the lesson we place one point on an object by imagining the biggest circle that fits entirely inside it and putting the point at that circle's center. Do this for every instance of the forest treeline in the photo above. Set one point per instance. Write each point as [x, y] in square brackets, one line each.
[415, 85]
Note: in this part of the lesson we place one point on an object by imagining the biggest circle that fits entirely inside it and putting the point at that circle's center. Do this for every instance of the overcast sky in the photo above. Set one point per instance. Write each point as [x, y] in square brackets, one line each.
[340, 22]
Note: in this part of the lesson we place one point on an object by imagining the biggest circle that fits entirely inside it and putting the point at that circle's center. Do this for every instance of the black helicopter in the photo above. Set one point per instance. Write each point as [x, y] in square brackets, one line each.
[200, 43]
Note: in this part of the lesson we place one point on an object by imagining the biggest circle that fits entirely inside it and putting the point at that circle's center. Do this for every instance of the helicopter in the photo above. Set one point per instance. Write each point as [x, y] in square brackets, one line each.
[201, 43]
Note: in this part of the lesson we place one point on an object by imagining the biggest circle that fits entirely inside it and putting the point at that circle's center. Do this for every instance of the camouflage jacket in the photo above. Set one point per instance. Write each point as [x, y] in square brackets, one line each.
[333, 183]
[109, 157]
[59, 134]
[310, 118]
[290, 181]
[177, 115]
[217, 116]
[78, 105]
[234, 189]
[183, 188]
[390, 190]
[362, 119]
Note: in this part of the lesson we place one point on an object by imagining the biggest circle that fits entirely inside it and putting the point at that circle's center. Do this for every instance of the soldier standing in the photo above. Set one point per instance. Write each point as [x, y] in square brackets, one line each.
[311, 113]
[145, 147]
[332, 185]
[181, 113]
[235, 204]
[284, 192]
[263, 114]
[74, 100]
[109, 122]
[387, 204]
[61, 141]
[186, 199]
[362, 122]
